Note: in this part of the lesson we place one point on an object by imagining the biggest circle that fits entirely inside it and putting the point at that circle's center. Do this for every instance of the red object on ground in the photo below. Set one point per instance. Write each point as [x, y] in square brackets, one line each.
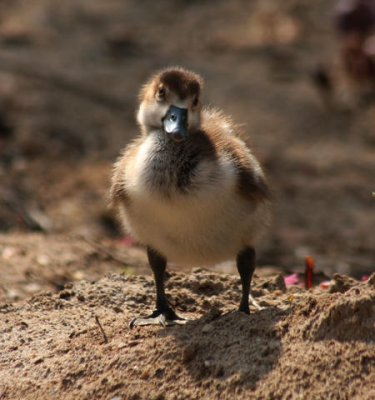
[309, 271]
[325, 285]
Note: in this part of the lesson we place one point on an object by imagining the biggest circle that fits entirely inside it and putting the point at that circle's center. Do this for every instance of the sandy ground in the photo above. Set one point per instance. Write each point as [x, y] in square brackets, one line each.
[315, 344]
[69, 77]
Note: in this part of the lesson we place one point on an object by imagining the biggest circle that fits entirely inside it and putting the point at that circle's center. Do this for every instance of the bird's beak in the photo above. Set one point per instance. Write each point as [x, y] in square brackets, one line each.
[175, 123]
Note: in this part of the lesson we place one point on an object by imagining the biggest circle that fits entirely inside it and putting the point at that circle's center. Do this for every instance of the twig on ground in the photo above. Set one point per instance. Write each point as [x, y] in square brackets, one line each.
[101, 329]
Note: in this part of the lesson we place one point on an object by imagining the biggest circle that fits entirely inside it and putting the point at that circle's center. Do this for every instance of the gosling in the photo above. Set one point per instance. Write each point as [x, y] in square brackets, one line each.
[189, 187]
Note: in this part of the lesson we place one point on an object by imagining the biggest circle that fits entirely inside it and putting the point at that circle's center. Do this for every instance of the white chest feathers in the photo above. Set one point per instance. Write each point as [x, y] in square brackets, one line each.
[200, 224]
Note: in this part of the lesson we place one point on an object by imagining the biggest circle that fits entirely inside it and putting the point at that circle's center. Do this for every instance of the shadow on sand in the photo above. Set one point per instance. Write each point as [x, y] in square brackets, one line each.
[233, 348]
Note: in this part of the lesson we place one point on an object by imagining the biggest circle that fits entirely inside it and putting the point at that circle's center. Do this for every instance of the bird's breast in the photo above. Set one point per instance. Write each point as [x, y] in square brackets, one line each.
[165, 168]
[196, 219]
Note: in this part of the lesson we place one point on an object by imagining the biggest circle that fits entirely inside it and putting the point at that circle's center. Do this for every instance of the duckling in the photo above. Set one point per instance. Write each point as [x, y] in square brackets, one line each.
[189, 188]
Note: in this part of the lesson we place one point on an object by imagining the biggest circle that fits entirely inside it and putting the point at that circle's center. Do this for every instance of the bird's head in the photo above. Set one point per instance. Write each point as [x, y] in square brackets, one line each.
[170, 102]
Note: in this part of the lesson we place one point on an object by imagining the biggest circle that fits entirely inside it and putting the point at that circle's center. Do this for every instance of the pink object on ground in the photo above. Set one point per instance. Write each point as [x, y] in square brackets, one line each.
[292, 280]
[128, 241]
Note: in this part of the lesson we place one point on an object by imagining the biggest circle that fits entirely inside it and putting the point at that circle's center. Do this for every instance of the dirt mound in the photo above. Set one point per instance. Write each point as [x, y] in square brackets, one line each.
[77, 344]
[350, 318]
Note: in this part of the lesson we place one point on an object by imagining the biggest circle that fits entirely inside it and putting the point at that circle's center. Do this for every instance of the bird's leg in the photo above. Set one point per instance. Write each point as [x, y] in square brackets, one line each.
[246, 267]
[164, 314]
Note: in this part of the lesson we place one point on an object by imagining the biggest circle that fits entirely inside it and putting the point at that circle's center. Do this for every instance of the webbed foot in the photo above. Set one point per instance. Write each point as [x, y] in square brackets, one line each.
[159, 317]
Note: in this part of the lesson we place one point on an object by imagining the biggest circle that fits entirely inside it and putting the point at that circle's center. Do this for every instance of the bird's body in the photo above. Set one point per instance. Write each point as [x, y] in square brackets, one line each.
[186, 201]
[197, 200]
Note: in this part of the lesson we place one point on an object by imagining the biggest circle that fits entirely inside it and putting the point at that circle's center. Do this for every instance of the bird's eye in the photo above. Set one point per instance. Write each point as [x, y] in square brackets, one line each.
[195, 101]
[161, 94]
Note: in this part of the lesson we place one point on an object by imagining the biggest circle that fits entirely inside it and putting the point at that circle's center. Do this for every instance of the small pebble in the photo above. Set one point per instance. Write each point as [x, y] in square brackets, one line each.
[78, 275]
[32, 288]
[43, 260]
[8, 253]
[207, 328]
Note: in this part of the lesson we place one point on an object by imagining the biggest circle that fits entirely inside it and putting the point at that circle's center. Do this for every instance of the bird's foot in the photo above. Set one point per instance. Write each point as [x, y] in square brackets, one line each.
[246, 302]
[253, 302]
[159, 317]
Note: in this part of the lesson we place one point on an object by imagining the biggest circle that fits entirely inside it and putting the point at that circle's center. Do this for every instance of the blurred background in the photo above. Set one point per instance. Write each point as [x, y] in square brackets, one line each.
[298, 74]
